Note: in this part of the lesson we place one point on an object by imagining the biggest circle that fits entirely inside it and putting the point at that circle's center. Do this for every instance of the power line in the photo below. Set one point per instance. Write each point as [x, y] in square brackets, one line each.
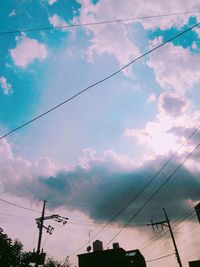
[155, 192]
[152, 248]
[19, 206]
[181, 220]
[98, 22]
[180, 241]
[106, 78]
[15, 216]
[186, 217]
[138, 194]
[183, 248]
[71, 220]
[100, 81]
[160, 258]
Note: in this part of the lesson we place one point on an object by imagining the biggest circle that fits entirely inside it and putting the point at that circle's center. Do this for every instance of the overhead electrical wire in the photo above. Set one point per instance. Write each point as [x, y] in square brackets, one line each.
[156, 259]
[15, 216]
[142, 207]
[181, 224]
[178, 224]
[187, 259]
[152, 248]
[71, 220]
[186, 243]
[138, 194]
[98, 22]
[155, 192]
[100, 81]
[19, 206]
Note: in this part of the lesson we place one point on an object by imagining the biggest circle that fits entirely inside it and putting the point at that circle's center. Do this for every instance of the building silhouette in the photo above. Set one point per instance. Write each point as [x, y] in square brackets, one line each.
[115, 257]
[194, 263]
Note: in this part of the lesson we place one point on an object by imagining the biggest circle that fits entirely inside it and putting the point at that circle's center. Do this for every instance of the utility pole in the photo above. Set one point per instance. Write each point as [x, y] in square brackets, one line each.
[197, 209]
[166, 223]
[38, 257]
[40, 225]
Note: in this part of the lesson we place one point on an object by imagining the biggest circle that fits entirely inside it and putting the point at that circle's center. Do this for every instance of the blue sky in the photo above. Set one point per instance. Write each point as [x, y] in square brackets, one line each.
[111, 139]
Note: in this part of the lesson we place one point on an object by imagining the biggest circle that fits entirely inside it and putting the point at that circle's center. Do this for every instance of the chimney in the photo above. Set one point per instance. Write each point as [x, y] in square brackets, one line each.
[116, 245]
[97, 245]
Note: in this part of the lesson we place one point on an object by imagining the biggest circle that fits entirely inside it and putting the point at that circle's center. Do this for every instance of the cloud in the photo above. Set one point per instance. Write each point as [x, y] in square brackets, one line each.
[51, 2]
[100, 185]
[197, 31]
[152, 98]
[162, 134]
[175, 68]
[14, 170]
[172, 104]
[155, 136]
[157, 7]
[119, 39]
[110, 10]
[27, 51]
[56, 21]
[107, 39]
[7, 87]
[12, 13]
[189, 135]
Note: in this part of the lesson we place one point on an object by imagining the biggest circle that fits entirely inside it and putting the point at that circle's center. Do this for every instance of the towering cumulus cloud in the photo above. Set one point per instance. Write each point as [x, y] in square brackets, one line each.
[100, 185]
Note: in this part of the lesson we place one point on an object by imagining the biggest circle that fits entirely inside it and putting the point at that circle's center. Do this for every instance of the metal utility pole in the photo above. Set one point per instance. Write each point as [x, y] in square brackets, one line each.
[40, 232]
[166, 223]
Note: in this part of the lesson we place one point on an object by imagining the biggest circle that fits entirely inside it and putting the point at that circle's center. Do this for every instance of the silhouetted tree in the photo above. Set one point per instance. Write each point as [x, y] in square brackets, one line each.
[50, 262]
[12, 254]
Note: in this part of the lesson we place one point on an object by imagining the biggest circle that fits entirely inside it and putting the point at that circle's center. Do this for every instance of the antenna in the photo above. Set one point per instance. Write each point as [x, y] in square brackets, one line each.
[89, 240]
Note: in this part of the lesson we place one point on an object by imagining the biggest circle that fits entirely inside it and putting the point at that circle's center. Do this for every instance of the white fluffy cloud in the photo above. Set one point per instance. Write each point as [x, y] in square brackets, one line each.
[27, 51]
[176, 119]
[175, 68]
[111, 9]
[7, 87]
[15, 169]
[115, 39]
[118, 38]
[56, 21]
[155, 136]
[108, 40]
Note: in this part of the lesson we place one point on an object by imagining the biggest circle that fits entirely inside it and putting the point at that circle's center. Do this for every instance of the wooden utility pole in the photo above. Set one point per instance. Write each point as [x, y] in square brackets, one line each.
[40, 232]
[38, 257]
[166, 223]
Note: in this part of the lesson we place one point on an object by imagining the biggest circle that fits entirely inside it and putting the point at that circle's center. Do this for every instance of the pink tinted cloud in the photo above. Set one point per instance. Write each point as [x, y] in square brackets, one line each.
[7, 87]
[175, 68]
[28, 50]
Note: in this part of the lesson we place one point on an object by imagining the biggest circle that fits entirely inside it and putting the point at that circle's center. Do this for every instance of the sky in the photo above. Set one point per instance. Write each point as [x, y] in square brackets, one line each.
[94, 154]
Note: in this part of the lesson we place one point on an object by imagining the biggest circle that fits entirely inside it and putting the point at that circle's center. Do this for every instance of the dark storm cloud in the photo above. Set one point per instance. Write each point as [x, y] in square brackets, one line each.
[103, 187]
